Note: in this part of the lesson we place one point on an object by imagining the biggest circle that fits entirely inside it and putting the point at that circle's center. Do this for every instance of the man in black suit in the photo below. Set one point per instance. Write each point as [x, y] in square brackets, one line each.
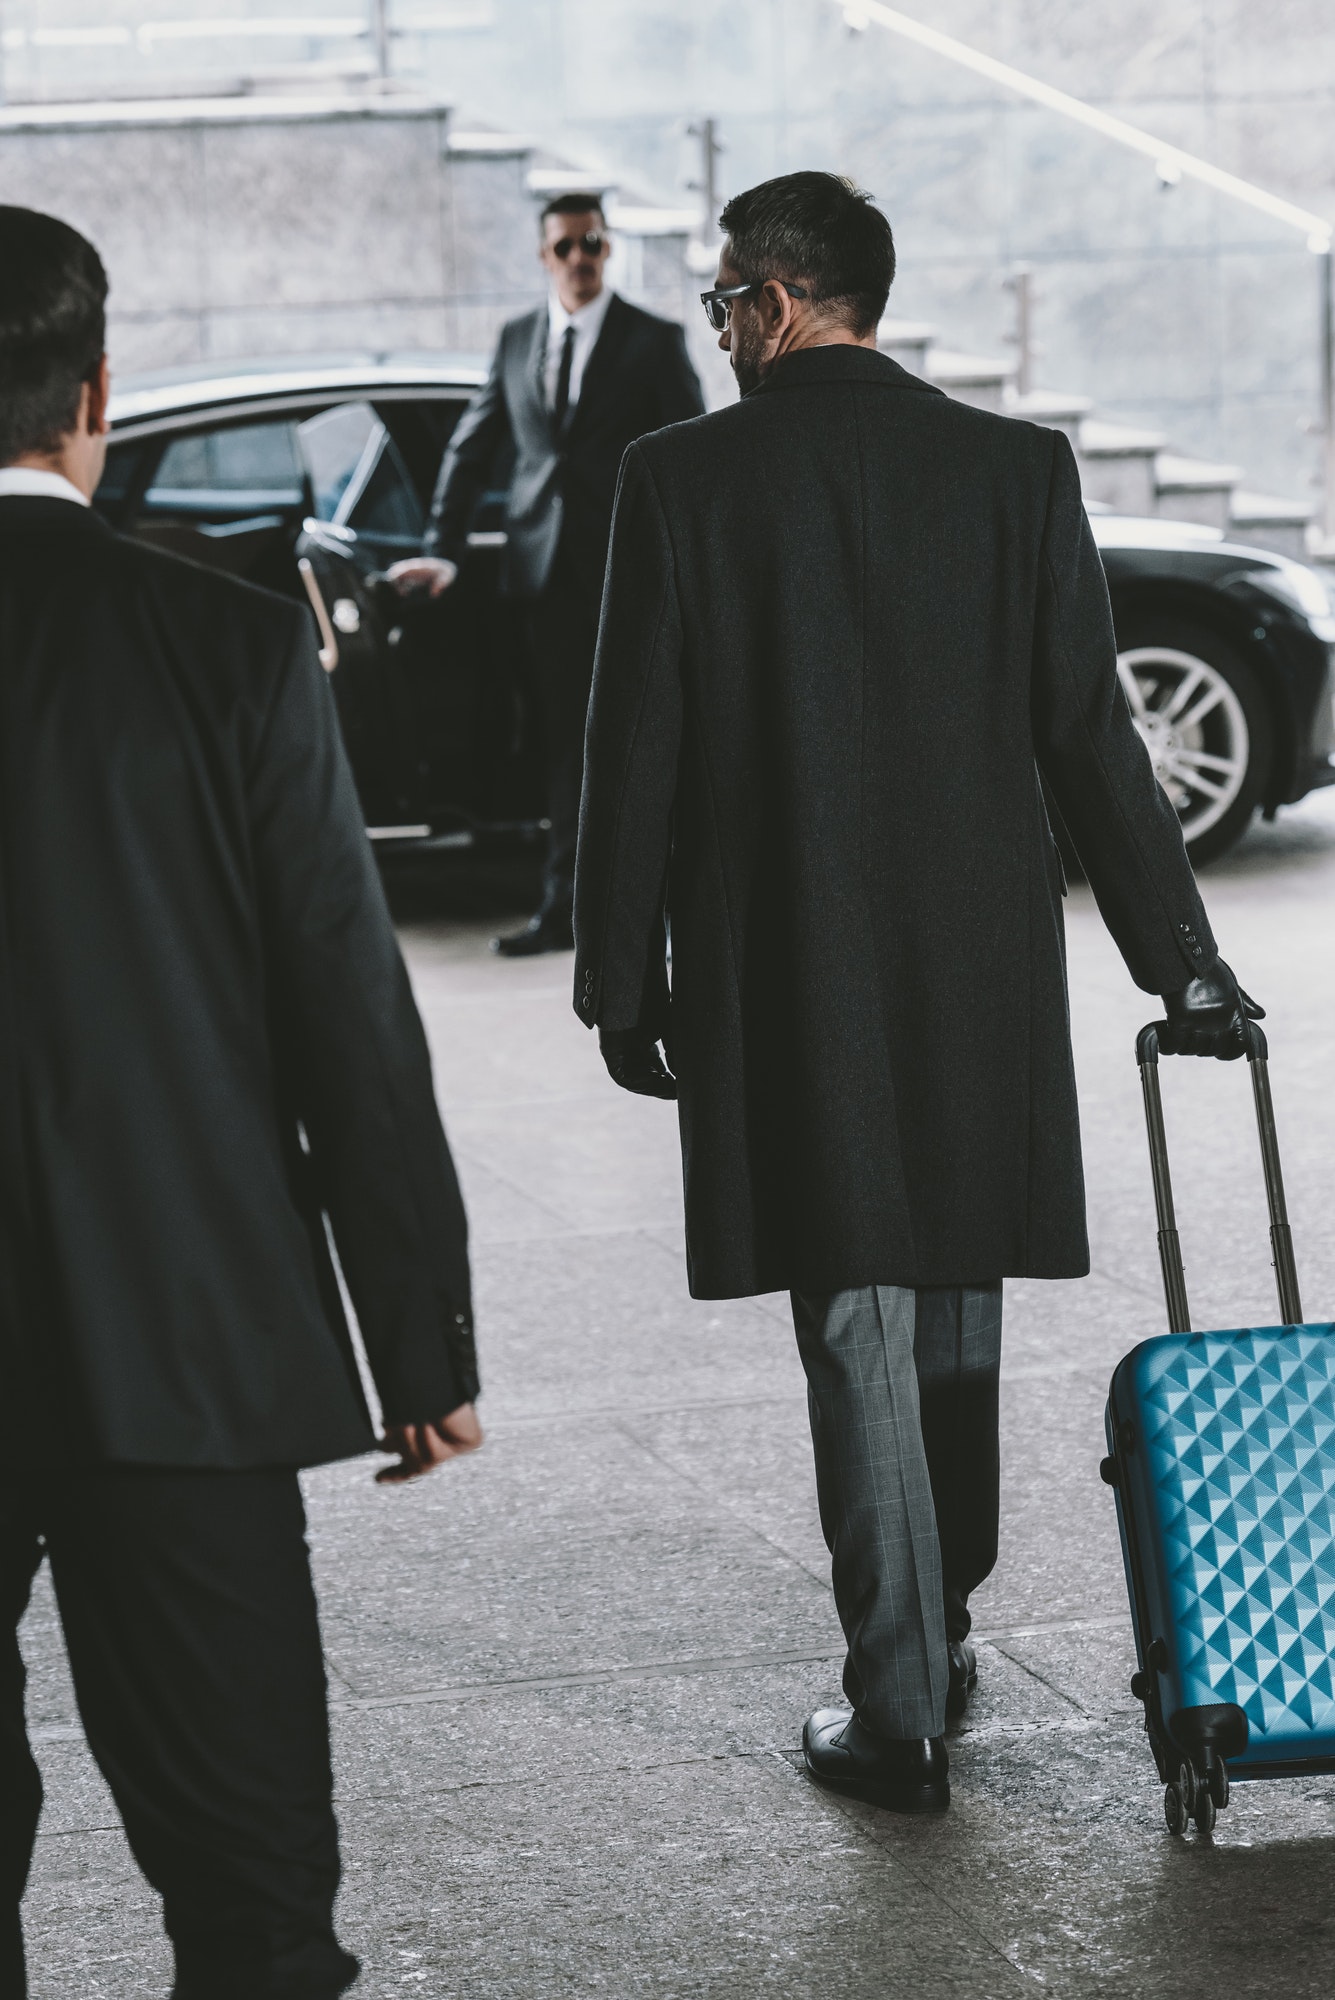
[847, 625]
[571, 385]
[208, 1049]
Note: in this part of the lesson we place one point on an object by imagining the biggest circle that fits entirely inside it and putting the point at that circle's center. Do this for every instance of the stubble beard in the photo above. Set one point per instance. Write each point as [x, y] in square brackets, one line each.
[745, 352]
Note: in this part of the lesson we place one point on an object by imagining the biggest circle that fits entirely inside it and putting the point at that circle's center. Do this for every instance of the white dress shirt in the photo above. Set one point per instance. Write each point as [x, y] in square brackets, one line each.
[588, 324]
[30, 479]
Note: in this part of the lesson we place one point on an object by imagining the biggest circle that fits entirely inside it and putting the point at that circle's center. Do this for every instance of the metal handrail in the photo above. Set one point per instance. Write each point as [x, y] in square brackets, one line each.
[1172, 164]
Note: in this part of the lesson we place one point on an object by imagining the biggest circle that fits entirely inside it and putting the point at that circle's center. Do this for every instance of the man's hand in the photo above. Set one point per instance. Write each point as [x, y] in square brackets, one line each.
[633, 1062]
[430, 573]
[1209, 1017]
[422, 1447]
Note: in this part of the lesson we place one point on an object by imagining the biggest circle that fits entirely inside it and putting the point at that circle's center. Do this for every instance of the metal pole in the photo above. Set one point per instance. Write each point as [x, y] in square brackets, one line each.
[1170, 1247]
[707, 185]
[1281, 1236]
[1021, 282]
[1326, 265]
[380, 37]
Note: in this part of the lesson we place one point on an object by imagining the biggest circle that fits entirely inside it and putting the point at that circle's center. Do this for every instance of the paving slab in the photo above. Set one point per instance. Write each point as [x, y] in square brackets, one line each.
[569, 1676]
[604, 1323]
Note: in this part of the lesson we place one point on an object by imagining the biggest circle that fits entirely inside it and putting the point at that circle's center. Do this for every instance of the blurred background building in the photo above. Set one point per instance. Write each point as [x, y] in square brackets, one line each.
[284, 176]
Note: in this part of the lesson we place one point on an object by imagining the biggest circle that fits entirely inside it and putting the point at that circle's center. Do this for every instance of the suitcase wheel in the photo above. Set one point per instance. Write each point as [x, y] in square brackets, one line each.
[1186, 1784]
[1190, 1797]
[1108, 1471]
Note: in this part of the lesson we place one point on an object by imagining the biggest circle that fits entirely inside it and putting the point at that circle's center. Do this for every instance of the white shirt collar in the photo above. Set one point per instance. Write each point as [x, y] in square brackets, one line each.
[31, 480]
[586, 320]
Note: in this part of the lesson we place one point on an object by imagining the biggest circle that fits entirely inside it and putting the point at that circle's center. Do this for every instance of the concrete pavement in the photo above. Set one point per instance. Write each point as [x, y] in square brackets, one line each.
[569, 1676]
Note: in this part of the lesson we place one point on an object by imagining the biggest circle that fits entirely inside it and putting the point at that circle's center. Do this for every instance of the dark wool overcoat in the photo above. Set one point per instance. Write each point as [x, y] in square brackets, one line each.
[208, 1043]
[846, 624]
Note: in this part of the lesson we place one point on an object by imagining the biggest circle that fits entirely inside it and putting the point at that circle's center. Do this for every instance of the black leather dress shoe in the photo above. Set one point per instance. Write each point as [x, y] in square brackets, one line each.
[550, 930]
[901, 1775]
[963, 1678]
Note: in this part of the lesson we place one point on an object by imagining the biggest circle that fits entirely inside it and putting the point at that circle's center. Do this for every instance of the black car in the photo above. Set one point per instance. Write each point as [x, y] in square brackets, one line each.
[312, 477]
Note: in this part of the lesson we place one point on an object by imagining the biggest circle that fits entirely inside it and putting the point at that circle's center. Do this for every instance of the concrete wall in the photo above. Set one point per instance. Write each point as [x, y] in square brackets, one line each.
[1176, 308]
[259, 226]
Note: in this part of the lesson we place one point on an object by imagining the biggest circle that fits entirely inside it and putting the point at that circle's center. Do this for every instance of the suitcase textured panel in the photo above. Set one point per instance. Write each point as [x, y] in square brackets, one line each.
[1232, 1478]
[1222, 1452]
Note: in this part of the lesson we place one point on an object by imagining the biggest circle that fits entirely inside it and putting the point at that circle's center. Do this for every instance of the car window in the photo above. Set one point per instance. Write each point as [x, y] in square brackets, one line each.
[334, 444]
[235, 470]
[118, 475]
[381, 504]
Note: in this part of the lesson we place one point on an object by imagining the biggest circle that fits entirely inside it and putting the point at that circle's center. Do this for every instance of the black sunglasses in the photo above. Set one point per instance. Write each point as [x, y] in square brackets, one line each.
[592, 243]
[718, 303]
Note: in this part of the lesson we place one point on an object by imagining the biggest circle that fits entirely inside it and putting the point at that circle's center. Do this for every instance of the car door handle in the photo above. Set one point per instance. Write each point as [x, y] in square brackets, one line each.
[328, 643]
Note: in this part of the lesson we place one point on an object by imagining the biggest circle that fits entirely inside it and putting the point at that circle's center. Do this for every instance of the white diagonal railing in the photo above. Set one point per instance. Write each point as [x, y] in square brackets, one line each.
[1171, 162]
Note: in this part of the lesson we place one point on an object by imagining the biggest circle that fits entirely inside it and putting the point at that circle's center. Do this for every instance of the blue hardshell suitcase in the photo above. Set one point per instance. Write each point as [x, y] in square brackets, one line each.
[1222, 1455]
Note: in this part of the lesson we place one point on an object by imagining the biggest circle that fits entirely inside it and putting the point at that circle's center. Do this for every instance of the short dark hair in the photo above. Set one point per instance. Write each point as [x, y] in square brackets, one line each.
[577, 202]
[820, 231]
[53, 329]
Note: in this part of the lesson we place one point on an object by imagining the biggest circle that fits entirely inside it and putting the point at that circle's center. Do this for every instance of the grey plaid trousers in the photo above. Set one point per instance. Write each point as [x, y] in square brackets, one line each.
[902, 1394]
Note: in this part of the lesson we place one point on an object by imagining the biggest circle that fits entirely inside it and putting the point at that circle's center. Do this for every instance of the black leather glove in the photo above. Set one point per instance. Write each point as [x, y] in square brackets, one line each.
[1208, 1017]
[633, 1062]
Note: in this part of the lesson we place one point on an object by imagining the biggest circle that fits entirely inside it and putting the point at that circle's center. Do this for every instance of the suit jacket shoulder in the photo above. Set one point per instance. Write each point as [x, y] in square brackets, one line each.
[644, 321]
[226, 635]
[982, 437]
[521, 329]
[206, 592]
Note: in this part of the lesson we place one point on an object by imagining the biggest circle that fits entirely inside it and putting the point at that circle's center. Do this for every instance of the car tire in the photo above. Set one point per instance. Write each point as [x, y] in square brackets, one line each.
[1176, 670]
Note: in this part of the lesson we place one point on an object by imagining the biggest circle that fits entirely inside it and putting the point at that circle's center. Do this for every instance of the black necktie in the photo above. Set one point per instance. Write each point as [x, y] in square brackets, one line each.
[562, 402]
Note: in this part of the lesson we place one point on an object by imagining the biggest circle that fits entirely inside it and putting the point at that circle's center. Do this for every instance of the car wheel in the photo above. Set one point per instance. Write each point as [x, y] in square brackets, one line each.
[1200, 711]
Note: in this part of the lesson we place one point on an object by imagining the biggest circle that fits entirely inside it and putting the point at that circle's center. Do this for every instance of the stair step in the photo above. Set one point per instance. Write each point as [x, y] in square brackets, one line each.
[1100, 440]
[482, 145]
[1272, 523]
[907, 342]
[643, 219]
[1176, 474]
[1194, 489]
[977, 379]
[1266, 510]
[1117, 465]
[548, 177]
[1051, 408]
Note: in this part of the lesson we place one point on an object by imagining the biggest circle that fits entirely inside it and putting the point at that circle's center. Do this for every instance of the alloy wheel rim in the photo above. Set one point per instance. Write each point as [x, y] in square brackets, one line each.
[1193, 725]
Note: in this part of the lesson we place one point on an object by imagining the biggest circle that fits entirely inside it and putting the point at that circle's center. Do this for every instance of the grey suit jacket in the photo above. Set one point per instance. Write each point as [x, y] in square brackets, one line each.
[638, 379]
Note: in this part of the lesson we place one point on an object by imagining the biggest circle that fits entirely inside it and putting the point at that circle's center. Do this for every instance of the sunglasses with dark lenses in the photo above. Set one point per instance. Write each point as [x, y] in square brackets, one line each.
[718, 303]
[592, 243]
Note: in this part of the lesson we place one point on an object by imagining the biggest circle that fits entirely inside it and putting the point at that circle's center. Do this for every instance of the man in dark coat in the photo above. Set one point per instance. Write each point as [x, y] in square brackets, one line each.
[847, 624]
[571, 385]
[208, 1048]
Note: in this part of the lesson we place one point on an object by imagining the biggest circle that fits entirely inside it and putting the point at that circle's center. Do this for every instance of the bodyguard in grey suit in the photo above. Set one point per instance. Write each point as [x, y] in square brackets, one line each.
[571, 385]
[847, 624]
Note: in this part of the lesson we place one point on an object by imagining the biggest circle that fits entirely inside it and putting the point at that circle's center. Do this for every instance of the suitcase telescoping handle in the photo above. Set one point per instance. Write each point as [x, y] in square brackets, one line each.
[1170, 1249]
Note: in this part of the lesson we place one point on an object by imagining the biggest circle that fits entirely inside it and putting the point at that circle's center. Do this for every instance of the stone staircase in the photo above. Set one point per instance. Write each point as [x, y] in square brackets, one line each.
[1123, 469]
[390, 222]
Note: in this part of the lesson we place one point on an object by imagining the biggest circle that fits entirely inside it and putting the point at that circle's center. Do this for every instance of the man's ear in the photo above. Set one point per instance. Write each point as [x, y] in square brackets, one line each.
[95, 404]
